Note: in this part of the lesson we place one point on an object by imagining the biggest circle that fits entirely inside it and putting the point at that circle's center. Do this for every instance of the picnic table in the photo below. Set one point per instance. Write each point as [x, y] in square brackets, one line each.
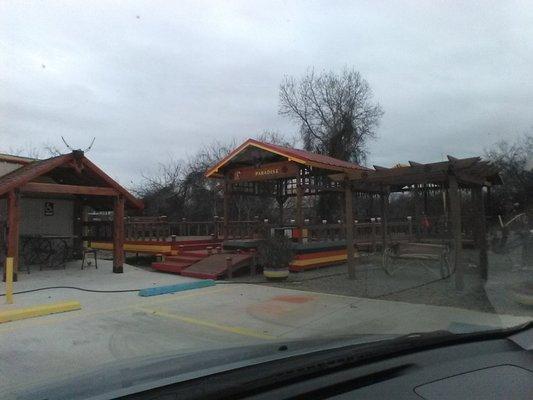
[46, 250]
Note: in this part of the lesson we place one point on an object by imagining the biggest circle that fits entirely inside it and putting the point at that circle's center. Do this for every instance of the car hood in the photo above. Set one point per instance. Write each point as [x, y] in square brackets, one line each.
[132, 375]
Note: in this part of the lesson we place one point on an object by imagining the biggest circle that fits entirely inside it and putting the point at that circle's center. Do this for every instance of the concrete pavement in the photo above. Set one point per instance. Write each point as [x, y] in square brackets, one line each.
[117, 326]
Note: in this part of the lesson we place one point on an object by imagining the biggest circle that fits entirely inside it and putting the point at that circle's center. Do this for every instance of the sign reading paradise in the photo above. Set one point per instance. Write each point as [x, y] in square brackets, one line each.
[284, 169]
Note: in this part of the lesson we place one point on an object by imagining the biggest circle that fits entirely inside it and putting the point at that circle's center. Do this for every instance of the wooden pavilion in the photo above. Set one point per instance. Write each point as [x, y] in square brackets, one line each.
[257, 168]
[70, 176]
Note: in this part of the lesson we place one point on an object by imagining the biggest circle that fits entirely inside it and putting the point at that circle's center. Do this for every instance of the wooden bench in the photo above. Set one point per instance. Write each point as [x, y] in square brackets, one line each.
[417, 251]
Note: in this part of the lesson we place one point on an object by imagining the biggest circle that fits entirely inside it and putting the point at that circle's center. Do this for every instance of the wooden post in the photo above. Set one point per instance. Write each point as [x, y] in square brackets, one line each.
[489, 202]
[226, 209]
[374, 241]
[480, 230]
[425, 189]
[13, 222]
[527, 249]
[9, 280]
[417, 212]
[385, 218]
[349, 229]
[77, 228]
[455, 219]
[253, 265]
[118, 235]
[299, 214]
[229, 266]
[280, 209]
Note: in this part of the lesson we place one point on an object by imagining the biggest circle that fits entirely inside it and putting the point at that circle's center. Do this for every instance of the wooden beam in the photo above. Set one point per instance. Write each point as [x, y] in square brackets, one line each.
[299, 213]
[451, 159]
[349, 229]
[419, 173]
[468, 179]
[225, 211]
[463, 162]
[417, 214]
[111, 183]
[55, 188]
[77, 229]
[118, 235]
[13, 225]
[455, 217]
[33, 171]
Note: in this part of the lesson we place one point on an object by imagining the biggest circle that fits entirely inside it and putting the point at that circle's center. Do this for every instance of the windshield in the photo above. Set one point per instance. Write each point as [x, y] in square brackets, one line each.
[186, 177]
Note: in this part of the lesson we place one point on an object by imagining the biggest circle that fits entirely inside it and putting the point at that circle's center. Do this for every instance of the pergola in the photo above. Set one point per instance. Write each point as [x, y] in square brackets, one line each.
[452, 175]
[257, 168]
[263, 169]
[73, 176]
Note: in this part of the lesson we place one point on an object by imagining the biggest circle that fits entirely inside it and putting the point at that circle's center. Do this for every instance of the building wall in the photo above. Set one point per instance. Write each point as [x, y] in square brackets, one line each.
[33, 220]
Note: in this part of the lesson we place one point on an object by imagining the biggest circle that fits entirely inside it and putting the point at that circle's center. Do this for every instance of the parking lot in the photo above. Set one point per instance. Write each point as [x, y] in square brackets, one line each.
[120, 325]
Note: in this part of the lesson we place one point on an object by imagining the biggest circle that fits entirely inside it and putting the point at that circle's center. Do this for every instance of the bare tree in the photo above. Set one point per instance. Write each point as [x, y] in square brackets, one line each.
[515, 161]
[163, 190]
[335, 111]
[277, 138]
[179, 189]
[52, 150]
[26, 151]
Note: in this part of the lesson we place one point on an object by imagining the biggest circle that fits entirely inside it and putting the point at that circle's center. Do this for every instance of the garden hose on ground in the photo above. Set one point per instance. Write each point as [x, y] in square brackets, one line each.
[75, 288]
[228, 283]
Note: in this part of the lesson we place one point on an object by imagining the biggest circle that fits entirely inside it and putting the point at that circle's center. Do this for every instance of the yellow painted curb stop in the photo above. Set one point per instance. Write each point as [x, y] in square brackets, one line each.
[38, 311]
[275, 274]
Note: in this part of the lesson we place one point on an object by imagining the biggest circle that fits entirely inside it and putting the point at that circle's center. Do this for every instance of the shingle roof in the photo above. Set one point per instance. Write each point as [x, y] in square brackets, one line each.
[297, 155]
[28, 172]
[15, 159]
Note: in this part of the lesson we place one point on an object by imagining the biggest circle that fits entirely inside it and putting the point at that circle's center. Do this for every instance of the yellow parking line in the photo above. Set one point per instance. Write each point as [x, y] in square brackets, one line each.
[232, 329]
[83, 314]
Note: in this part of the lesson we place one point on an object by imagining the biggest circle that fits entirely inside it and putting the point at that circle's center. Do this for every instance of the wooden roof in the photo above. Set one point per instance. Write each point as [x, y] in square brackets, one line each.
[9, 158]
[236, 158]
[469, 172]
[68, 169]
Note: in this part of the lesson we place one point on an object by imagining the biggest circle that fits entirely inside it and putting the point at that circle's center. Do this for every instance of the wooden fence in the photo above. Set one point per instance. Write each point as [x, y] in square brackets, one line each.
[159, 229]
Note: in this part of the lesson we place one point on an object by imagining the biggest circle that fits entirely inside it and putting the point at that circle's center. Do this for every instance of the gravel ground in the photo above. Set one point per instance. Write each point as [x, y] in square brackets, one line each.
[415, 283]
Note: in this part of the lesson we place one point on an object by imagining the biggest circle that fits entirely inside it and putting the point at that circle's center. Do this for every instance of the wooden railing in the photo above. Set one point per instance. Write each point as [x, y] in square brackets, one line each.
[370, 232]
[193, 228]
[145, 231]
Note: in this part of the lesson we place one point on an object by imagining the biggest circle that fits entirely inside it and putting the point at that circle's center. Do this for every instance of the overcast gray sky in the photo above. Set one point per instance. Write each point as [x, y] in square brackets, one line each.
[154, 79]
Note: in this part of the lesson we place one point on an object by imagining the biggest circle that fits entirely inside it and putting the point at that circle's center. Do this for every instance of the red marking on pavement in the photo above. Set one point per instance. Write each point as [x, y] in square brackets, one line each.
[294, 299]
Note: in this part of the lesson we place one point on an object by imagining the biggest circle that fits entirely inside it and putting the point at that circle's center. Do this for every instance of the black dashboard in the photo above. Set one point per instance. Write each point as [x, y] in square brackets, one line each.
[485, 370]
[492, 368]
